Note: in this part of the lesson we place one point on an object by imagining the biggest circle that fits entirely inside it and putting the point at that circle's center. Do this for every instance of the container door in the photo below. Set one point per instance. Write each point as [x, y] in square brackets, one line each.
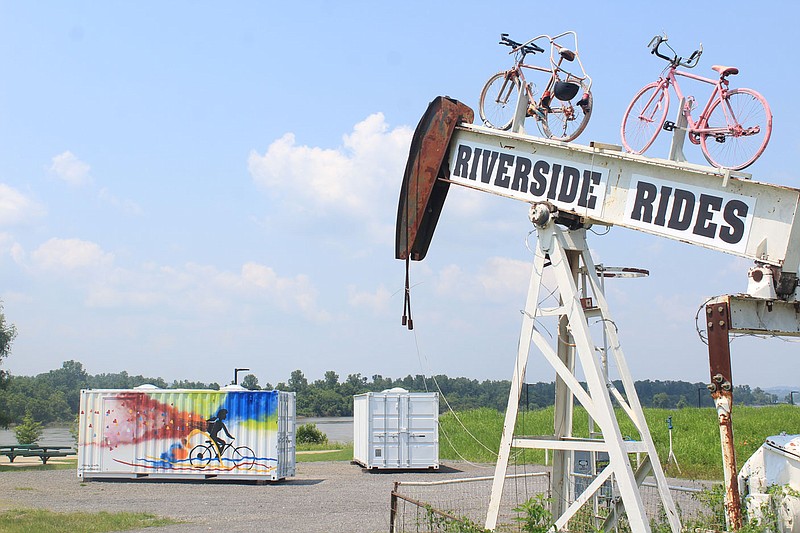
[385, 431]
[423, 431]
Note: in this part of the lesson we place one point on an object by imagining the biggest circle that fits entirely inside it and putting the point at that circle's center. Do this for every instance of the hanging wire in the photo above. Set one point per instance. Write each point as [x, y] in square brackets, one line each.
[422, 362]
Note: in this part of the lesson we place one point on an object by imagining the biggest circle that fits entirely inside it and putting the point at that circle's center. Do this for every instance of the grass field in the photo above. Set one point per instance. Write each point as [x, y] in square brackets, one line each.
[334, 451]
[27, 520]
[475, 435]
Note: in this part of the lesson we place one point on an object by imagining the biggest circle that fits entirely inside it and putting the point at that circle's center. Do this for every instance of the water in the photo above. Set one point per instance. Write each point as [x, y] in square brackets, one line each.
[53, 436]
[338, 428]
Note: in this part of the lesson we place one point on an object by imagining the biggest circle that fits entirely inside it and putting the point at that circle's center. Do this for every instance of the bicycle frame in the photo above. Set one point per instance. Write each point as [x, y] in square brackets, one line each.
[555, 66]
[699, 127]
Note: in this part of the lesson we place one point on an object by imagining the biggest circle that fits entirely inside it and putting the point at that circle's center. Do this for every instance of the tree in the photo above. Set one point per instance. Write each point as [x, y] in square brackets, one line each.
[298, 382]
[250, 382]
[331, 380]
[29, 431]
[7, 334]
[69, 379]
[661, 400]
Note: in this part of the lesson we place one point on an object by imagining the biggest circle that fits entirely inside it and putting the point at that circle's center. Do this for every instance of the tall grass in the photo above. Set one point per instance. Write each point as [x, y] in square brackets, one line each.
[475, 435]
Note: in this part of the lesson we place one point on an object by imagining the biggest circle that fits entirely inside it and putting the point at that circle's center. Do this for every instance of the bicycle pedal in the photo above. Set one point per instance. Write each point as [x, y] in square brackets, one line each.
[719, 138]
[669, 125]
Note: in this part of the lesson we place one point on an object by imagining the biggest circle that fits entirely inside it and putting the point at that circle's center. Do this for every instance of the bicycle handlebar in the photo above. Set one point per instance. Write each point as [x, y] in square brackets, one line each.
[675, 60]
[525, 49]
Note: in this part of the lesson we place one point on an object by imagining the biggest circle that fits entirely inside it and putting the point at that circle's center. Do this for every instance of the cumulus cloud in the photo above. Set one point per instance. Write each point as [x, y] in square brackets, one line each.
[15, 207]
[498, 279]
[351, 179]
[67, 167]
[60, 255]
[192, 288]
[376, 301]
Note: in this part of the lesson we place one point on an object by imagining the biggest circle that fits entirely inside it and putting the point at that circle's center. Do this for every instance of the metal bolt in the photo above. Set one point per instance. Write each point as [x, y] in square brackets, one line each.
[708, 310]
[719, 309]
[719, 378]
[726, 386]
[721, 323]
[710, 324]
[711, 387]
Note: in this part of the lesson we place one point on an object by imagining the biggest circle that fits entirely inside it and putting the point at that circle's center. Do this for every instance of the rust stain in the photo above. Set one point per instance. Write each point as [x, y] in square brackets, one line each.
[721, 387]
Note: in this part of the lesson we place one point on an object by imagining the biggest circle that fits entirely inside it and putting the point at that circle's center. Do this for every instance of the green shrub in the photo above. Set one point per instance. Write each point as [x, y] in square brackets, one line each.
[29, 431]
[309, 434]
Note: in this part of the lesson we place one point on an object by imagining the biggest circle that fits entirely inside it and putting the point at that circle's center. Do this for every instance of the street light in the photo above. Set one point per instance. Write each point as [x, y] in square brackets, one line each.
[236, 374]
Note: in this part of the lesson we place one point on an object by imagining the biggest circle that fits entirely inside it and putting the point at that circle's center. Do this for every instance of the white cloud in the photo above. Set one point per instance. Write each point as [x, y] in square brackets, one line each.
[15, 207]
[126, 206]
[352, 179]
[498, 279]
[69, 168]
[70, 254]
[376, 301]
[189, 290]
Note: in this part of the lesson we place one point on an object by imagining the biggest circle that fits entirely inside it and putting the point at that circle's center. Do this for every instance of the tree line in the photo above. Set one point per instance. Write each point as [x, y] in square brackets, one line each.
[53, 397]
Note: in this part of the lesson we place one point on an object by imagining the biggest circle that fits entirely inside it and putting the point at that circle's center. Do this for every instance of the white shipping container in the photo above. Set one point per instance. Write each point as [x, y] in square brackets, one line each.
[396, 429]
[179, 433]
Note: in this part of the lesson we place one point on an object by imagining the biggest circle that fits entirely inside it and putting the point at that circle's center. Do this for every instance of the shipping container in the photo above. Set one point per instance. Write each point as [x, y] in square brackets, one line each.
[147, 432]
[396, 429]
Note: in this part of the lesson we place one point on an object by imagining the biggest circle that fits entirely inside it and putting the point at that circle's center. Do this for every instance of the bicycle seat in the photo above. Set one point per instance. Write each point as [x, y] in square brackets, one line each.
[569, 55]
[725, 71]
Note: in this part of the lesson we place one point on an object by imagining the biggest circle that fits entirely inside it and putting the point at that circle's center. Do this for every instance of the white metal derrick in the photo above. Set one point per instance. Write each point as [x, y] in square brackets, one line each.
[568, 252]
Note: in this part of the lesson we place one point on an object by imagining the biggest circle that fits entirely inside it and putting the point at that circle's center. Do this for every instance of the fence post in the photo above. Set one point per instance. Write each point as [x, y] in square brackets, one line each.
[393, 507]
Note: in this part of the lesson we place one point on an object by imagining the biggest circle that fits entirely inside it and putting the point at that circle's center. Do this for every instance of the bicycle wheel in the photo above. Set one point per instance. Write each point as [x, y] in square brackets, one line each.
[498, 101]
[243, 457]
[566, 120]
[200, 456]
[744, 123]
[645, 117]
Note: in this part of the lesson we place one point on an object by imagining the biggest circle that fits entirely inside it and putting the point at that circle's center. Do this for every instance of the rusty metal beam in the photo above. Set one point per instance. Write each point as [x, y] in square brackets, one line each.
[718, 320]
[422, 194]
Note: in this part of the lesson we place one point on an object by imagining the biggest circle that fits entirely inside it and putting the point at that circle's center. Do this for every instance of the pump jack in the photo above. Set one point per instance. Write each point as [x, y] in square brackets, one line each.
[571, 187]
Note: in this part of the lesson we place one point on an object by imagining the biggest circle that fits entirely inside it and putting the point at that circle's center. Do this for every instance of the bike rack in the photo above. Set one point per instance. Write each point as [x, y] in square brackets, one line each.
[678, 135]
[518, 124]
[679, 129]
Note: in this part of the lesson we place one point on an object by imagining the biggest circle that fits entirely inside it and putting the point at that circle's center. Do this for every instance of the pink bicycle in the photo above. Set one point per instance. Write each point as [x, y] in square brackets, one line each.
[732, 130]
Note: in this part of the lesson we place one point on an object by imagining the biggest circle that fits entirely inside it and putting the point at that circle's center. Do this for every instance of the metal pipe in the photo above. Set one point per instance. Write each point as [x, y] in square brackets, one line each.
[721, 388]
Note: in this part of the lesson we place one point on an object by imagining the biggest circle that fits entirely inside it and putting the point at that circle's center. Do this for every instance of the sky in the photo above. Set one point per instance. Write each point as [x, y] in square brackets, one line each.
[191, 187]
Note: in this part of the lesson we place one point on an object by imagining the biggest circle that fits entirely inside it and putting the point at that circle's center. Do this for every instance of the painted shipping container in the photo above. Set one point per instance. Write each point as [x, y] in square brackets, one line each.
[148, 432]
[396, 429]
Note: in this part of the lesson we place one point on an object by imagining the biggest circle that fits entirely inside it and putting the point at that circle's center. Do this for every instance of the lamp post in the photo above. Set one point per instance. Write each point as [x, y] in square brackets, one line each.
[699, 392]
[236, 374]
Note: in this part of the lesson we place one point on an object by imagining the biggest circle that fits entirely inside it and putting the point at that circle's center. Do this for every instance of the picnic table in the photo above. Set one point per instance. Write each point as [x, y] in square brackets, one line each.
[43, 452]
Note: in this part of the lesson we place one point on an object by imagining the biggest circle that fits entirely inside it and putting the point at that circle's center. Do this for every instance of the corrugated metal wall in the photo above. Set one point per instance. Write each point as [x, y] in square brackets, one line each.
[165, 433]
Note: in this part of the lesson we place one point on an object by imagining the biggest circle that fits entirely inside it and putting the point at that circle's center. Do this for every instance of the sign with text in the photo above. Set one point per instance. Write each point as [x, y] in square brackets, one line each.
[690, 213]
[507, 172]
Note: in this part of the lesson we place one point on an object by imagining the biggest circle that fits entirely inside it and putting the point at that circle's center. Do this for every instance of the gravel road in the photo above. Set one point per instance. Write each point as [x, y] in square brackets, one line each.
[322, 497]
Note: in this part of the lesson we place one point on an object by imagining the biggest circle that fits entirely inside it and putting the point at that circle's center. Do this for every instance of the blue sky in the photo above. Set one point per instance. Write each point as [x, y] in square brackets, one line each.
[189, 187]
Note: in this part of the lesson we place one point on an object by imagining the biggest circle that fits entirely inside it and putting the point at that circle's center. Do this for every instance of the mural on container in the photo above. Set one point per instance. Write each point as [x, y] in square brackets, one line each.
[163, 431]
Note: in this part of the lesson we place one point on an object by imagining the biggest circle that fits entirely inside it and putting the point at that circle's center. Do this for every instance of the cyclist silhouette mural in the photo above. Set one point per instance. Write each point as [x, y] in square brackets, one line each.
[215, 425]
